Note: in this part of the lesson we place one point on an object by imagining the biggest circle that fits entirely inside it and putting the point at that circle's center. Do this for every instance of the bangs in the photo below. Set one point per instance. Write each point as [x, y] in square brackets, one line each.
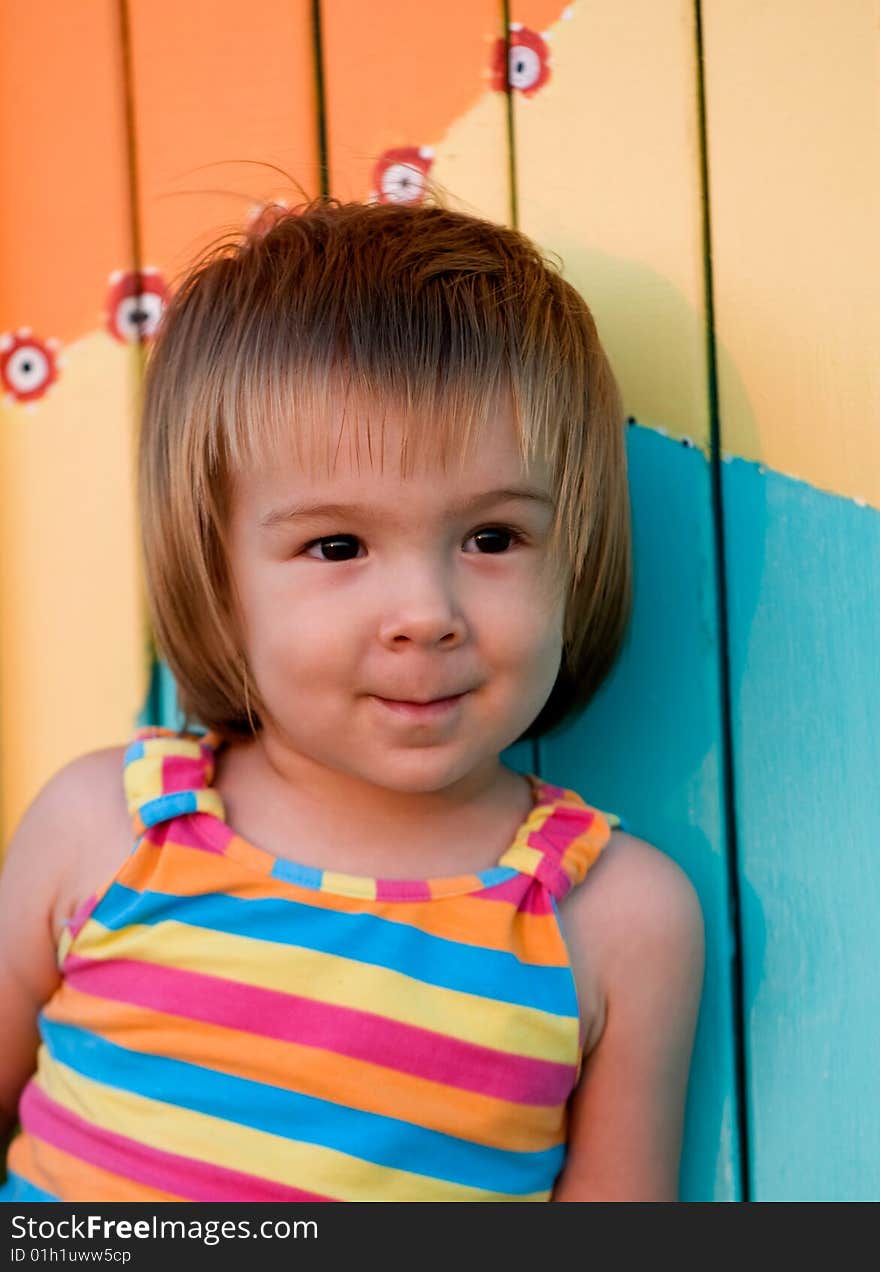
[316, 415]
[301, 368]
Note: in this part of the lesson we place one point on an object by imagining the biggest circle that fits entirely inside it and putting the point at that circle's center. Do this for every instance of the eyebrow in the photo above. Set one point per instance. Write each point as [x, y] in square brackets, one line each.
[295, 512]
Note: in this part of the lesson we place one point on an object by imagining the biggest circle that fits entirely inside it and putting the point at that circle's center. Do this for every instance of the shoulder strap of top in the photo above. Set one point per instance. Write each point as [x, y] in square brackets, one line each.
[561, 838]
[168, 774]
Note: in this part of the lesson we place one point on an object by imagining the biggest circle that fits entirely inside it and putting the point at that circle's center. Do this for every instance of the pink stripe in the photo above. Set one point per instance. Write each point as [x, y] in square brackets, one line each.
[185, 1177]
[553, 877]
[522, 892]
[402, 890]
[565, 825]
[360, 1034]
[182, 773]
[192, 831]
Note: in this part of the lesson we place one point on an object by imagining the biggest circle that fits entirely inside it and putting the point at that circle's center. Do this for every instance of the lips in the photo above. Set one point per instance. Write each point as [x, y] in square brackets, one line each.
[421, 702]
[420, 710]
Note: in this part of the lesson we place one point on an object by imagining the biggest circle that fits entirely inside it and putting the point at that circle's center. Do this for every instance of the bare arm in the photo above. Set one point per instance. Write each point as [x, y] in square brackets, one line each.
[48, 848]
[643, 924]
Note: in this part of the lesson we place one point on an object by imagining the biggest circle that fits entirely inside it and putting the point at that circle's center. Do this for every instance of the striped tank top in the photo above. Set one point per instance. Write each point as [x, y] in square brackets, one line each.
[231, 1026]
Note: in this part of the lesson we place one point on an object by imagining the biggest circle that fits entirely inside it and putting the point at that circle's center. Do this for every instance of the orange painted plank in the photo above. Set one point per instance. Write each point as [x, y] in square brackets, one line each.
[64, 215]
[404, 79]
[215, 102]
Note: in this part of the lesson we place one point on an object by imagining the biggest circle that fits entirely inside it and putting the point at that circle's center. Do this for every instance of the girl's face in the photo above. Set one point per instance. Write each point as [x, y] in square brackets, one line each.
[402, 631]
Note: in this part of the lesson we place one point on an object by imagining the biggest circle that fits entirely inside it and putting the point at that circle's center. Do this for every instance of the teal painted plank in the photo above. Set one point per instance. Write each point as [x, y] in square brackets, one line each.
[648, 748]
[160, 706]
[805, 632]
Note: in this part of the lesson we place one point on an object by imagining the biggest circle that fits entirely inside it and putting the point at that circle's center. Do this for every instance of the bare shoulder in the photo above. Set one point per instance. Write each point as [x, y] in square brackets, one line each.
[636, 916]
[635, 935]
[73, 836]
[634, 882]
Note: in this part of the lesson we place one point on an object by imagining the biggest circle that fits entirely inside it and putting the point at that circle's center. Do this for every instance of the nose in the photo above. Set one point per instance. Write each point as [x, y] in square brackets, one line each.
[421, 607]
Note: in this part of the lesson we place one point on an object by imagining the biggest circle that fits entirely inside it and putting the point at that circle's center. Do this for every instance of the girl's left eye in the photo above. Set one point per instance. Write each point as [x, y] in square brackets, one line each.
[496, 539]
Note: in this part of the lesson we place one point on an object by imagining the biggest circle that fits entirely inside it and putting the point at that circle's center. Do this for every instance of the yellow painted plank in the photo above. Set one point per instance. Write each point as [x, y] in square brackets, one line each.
[793, 139]
[607, 157]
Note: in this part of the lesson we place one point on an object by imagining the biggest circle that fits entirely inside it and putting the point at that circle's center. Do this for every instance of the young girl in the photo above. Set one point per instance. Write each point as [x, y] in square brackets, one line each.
[333, 948]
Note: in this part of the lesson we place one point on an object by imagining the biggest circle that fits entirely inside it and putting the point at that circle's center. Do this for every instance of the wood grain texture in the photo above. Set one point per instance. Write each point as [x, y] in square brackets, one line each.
[608, 174]
[400, 79]
[804, 621]
[792, 134]
[72, 656]
[218, 102]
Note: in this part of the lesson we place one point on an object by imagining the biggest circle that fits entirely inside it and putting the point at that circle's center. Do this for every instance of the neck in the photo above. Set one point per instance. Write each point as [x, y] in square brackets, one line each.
[344, 822]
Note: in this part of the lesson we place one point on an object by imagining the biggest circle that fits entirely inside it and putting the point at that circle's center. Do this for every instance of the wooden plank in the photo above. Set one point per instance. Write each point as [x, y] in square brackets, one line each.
[221, 92]
[622, 208]
[72, 660]
[795, 198]
[406, 88]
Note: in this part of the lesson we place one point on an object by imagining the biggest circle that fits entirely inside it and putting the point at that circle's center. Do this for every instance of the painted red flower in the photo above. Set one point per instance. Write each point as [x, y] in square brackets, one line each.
[400, 175]
[28, 365]
[527, 65]
[135, 304]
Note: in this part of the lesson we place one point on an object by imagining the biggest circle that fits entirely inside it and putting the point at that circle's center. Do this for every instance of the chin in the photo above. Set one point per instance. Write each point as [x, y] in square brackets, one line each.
[421, 774]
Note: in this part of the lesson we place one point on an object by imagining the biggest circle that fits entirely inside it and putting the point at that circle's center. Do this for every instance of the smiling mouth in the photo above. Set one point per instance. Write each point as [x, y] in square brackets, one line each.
[422, 710]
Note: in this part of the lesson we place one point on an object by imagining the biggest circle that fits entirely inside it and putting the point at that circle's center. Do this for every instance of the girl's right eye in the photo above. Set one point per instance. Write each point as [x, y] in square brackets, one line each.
[334, 547]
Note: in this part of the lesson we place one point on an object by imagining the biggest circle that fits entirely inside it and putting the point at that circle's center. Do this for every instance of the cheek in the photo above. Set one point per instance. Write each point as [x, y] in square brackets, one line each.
[529, 642]
[309, 637]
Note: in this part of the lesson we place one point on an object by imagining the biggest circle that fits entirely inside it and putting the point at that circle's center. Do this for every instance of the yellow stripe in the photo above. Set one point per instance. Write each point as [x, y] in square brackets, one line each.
[171, 1129]
[65, 941]
[523, 858]
[342, 982]
[168, 746]
[353, 885]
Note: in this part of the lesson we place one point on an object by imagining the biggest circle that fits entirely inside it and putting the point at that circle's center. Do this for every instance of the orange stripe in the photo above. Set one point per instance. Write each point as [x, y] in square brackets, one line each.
[316, 1072]
[72, 1179]
[187, 872]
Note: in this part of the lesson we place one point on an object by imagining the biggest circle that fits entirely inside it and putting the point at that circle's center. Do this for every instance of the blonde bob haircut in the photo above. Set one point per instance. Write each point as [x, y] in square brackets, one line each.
[428, 310]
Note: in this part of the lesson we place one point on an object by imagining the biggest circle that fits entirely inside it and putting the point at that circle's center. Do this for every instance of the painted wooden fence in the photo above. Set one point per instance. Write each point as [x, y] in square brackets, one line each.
[708, 174]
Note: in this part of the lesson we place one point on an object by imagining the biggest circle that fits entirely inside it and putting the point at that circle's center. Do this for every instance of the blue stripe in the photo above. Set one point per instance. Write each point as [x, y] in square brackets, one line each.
[164, 807]
[366, 938]
[134, 752]
[385, 1141]
[17, 1190]
[496, 874]
[304, 876]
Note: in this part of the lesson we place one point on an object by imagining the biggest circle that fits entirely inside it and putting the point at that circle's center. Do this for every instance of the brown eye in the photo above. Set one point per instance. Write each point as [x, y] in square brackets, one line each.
[494, 539]
[335, 547]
